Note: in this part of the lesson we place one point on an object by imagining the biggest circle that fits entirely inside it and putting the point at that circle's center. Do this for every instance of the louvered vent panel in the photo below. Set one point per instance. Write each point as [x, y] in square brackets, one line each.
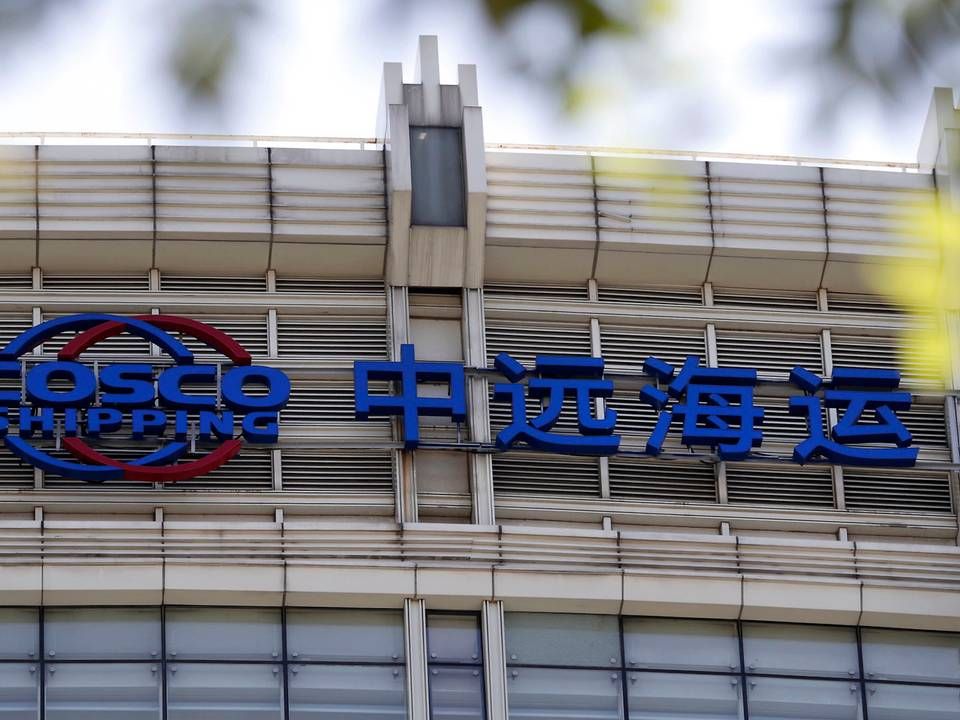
[928, 425]
[332, 338]
[524, 342]
[873, 211]
[534, 474]
[97, 283]
[883, 352]
[779, 425]
[772, 354]
[855, 303]
[201, 284]
[340, 471]
[113, 450]
[636, 420]
[202, 189]
[11, 325]
[651, 295]
[752, 484]
[674, 481]
[15, 282]
[625, 348]
[897, 490]
[122, 344]
[14, 475]
[501, 414]
[756, 204]
[251, 469]
[665, 200]
[248, 330]
[536, 292]
[781, 300]
[539, 196]
[325, 401]
[318, 286]
[85, 189]
[332, 193]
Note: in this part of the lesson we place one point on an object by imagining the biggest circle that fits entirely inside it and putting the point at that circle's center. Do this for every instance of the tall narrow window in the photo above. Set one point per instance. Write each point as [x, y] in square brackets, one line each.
[456, 666]
[436, 165]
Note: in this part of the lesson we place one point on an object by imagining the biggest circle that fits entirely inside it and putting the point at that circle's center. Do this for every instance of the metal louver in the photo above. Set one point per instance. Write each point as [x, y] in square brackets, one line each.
[248, 330]
[251, 469]
[15, 282]
[636, 420]
[320, 286]
[772, 354]
[525, 341]
[97, 283]
[14, 475]
[928, 424]
[898, 491]
[755, 484]
[332, 338]
[11, 325]
[536, 292]
[501, 414]
[524, 473]
[764, 300]
[111, 449]
[856, 303]
[205, 284]
[659, 480]
[340, 471]
[123, 344]
[778, 425]
[883, 352]
[651, 295]
[626, 347]
[325, 401]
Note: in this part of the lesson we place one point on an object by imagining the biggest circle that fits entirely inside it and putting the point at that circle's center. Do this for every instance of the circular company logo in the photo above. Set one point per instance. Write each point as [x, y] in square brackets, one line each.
[74, 402]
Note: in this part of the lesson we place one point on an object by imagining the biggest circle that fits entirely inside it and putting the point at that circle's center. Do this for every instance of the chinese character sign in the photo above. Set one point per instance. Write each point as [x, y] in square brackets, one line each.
[711, 408]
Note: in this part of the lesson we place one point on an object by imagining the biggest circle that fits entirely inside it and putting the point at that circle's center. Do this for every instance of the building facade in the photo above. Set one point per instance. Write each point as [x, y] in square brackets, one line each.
[338, 573]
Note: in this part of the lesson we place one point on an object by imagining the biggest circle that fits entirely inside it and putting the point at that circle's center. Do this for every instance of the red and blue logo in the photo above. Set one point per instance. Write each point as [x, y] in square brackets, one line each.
[169, 403]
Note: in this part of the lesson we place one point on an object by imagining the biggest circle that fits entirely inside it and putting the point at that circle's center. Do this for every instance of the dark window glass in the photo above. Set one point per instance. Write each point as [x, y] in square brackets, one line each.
[436, 164]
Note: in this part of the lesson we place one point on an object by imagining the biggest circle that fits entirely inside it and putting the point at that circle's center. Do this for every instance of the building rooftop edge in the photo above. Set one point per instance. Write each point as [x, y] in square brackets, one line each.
[98, 138]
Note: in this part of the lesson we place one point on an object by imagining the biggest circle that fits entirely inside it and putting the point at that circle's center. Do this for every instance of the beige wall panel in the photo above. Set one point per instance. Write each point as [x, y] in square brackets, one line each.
[328, 260]
[348, 586]
[100, 257]
[532, 264]
[21, 584]
[543, 591]
[790, 272]
[636, 267]
[437, 256]
[917, 608]
[801, 601]
[106, 584]
[19, 255]
[454, 588]
[675, 596]
[223, 584]
[212, 257]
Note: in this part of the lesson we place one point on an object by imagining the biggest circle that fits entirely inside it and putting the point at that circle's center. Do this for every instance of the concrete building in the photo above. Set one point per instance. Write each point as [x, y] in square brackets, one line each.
[337, 575]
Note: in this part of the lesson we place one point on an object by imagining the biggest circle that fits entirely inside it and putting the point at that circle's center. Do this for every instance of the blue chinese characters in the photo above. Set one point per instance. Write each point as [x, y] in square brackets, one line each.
[713, 408]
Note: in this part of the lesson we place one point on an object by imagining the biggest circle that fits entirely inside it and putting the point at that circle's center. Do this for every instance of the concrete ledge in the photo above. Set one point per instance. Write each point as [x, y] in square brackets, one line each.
[349, 586]
[21, 585]
[536, 590]
[454, 588]
[695, 597]
[106, 584]
[933, 609]
[778, 600]
[247, 584]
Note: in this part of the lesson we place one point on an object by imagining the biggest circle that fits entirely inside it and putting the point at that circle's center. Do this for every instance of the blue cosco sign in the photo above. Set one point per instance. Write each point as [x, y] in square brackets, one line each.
[67, 397]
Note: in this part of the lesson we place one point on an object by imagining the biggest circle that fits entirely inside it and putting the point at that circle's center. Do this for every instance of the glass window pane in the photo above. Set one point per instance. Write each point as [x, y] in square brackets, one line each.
[455, 693]
[897, 702]
[801, 650]
[436, 166]
[21, 633]
[224, 692]
[335, 692]
[782, 699]
[92, 691]
[537, 694]
[345, 635]
[102, 633]
[454, 638]
[902, 655]
[555, 639]
[669, 644]
[664, 696]
[224, 633]
[19, 690]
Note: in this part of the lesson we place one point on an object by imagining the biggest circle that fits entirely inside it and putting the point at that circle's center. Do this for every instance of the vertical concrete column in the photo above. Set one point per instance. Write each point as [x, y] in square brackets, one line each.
[415, 638]
[494, 660]
[404, 476]
[475, 355]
